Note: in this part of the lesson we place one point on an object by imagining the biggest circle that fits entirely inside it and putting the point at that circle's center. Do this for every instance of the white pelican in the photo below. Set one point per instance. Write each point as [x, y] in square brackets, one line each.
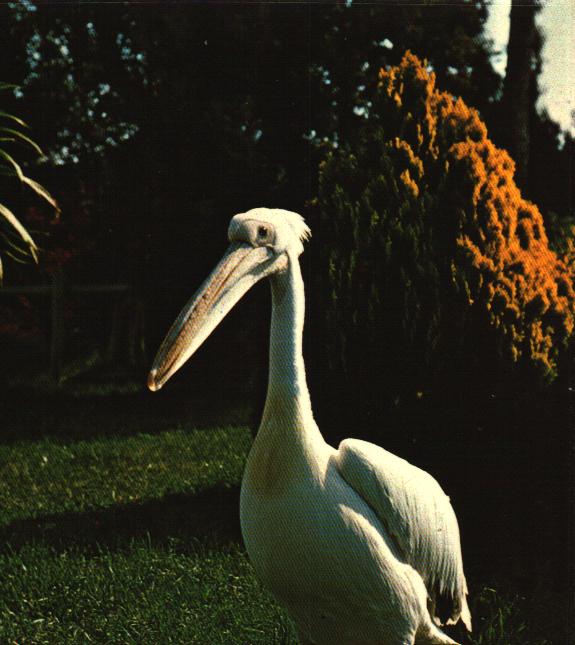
[361, 547]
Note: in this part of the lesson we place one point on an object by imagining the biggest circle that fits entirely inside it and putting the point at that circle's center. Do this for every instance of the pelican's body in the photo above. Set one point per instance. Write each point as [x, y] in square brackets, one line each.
[360, 546]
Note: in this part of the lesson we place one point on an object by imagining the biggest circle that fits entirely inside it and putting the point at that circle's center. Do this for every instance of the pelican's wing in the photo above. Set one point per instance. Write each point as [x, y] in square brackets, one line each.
[418, 515]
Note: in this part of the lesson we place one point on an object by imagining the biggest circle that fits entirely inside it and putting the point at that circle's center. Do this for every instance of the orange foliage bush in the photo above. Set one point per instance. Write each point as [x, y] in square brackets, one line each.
[502, 259]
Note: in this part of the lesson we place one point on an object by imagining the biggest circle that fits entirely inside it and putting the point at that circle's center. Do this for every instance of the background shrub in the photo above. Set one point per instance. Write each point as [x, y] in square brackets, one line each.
[436, 274]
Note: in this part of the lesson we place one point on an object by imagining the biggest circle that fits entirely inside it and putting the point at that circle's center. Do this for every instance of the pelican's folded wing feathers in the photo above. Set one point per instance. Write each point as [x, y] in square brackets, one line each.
[418, 516]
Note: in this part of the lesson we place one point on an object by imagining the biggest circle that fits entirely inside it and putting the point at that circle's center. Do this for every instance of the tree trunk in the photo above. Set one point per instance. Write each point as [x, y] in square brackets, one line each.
[516, 87]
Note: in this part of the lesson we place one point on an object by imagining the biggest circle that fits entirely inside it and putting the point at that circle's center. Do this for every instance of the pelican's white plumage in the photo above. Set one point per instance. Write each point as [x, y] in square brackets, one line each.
[360, 546]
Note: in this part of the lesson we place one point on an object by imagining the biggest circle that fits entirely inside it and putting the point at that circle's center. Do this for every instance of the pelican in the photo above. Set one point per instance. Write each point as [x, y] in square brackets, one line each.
[360, 547]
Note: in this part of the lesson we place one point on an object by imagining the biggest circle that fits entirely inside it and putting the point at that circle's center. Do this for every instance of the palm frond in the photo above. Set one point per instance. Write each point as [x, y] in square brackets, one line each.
[12, 117]
[15, 258]
[42, 192]
[13, 163]
[9, 216]
[34, 185]
[13, 245]
[18, 242]
[22, 137]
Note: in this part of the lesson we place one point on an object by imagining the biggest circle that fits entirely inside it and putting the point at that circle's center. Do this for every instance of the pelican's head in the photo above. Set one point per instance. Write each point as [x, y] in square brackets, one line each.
[263, 241]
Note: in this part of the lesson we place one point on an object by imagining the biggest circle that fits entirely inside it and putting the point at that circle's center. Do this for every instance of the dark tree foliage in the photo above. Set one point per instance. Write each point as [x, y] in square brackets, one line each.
[523, 61]
[163, 120]
[172, 117]
[542, 152]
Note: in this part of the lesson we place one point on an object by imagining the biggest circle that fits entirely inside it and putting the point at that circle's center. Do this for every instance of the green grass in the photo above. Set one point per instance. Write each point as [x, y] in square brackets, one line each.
[143, 594]
[130, 539]
[48, 476]
[134, 538]
[504, 619]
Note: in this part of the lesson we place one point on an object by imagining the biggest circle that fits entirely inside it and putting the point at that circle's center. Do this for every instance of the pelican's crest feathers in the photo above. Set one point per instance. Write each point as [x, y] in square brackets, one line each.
[276, 215]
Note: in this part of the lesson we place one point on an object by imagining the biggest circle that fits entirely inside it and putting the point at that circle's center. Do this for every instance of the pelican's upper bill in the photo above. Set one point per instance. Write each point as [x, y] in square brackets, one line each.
[263, 242]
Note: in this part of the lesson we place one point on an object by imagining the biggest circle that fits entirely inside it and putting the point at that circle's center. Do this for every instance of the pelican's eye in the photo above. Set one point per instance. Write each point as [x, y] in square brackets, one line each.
[260, 233]
[265, 235]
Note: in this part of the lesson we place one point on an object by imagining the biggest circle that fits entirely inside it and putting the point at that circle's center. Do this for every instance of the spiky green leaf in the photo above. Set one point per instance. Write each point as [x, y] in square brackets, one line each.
[9, 216]
[34, 185]
[42, 192]
[13, 245]
[22, 137]
[18, 120]
[15, 258]
[13, 164]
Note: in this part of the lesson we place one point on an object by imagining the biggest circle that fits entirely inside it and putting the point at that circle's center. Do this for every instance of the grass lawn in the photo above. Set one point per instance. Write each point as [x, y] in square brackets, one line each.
[144, 593]
[134, 538]
[130, 539]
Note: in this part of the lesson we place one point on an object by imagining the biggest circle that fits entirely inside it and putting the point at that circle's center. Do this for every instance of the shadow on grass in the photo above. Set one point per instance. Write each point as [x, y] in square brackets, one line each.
[210, 516]
[69, 414]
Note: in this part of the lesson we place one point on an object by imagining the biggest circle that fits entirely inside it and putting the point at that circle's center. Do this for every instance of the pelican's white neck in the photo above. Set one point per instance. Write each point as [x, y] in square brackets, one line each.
[287, 386]
[288, 444]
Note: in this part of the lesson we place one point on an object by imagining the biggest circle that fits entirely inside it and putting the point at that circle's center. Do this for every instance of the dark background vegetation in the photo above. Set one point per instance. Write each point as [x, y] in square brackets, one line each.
[159, 122]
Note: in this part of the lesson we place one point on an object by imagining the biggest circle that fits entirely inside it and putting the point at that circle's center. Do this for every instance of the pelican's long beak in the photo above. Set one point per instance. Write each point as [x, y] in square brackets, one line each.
[240, 268]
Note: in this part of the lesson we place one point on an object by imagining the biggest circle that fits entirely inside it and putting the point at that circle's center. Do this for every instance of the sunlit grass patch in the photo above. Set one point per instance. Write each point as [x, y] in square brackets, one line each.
[47, 476]
[144, 594]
